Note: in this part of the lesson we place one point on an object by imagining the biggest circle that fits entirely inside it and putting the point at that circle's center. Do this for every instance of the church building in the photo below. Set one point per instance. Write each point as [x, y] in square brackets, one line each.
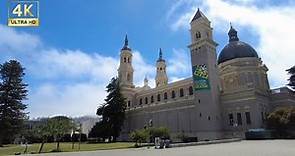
[224, 96]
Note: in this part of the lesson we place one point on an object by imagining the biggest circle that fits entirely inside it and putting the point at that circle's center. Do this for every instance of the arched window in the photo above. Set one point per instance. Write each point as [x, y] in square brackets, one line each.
[173, 94]
[181, 92]
[152, 99]
[159, 97]
[140, 101]
[198, 35]
[128, 60]
[190, 89]
[128, 104]
[146, 100]
[124, 59]
[165, 95]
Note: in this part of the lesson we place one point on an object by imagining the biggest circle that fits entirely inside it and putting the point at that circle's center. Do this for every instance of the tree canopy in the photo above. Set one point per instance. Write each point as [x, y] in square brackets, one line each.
[58, 126]
[282, 119]
[291, 72]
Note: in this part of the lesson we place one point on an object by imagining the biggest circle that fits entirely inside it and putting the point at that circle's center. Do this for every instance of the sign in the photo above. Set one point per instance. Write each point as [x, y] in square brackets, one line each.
[23, 13]
[201, 77]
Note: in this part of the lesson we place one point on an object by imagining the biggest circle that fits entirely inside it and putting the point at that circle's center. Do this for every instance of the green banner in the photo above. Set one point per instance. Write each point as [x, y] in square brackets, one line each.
[201, 77]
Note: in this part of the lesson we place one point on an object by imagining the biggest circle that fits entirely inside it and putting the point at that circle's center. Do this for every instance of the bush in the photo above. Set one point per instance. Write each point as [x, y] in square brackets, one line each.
[139, 136]
[161, 132]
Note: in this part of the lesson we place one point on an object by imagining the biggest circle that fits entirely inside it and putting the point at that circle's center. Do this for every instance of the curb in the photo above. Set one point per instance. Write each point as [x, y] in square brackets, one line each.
[205, 142]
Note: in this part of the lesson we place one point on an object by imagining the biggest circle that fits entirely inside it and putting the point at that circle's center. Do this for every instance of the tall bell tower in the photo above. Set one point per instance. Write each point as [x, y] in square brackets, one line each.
[125, 70]
[205, 74]
[161, 76]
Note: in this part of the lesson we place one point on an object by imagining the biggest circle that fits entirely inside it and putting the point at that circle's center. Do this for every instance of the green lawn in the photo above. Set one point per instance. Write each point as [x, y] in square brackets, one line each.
[65, 147]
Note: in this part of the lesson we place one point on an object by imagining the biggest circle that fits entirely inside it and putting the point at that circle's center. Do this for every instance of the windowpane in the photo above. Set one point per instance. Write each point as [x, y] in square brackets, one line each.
[248, 118]
[191, 90]
[128, 104]
[173, 94]
[152, 99]
[181, 92]
[140, 101]
[231, 119]
[159, 97]
[239, 118]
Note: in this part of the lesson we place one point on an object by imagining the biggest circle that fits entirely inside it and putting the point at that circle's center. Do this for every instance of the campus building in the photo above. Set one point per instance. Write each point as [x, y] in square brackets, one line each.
[225, 95]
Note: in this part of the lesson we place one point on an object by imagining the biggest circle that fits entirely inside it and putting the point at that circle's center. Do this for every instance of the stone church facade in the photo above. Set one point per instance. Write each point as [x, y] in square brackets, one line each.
[225, 95]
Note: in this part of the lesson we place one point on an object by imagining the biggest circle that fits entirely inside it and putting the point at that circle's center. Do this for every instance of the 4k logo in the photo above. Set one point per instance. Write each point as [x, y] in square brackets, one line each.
[23, 13]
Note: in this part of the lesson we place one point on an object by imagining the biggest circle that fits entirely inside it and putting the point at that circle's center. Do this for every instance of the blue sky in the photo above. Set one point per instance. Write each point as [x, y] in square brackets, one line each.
[72, 55]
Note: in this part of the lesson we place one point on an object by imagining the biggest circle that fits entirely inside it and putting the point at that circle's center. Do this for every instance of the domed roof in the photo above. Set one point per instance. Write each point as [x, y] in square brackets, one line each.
[235, 48]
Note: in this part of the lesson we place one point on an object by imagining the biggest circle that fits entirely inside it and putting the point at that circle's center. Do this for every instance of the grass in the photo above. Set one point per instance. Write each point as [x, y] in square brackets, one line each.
[65, 147]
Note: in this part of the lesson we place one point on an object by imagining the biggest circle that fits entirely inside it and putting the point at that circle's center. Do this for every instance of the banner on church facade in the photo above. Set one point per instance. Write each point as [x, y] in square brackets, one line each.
[201, 77]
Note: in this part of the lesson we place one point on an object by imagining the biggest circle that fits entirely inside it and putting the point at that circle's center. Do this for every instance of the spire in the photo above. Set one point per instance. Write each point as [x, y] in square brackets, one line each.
[126, 40]
[198, 15]
[232, 34]
[146, 81]
[160, 56]
[126, 47]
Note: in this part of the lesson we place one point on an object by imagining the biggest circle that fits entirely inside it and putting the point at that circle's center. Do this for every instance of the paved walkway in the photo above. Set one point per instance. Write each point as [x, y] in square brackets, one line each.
[242, 148]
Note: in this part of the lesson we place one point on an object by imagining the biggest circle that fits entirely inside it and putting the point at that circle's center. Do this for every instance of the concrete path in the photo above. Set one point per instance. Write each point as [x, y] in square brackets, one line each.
[242, 148]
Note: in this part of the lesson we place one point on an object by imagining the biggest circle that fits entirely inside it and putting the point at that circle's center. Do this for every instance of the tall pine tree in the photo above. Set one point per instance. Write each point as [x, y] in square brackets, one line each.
[291, 71]
[12, 93]
[113, 111]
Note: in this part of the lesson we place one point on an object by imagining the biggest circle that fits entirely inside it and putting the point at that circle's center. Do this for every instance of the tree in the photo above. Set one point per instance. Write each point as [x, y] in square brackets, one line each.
[282, 120]
[291, 72]
[99, 130]
[113, 111]
[57, 127]
[12, 93]
[44, 131]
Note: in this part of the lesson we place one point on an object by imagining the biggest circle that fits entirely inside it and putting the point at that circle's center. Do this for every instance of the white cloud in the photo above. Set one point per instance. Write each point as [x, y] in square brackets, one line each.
[273, 24]
[68, 82]
[179, 63]
[74, 64]
[175, 79]
[142, 69]
[17, 41]
[71, 100]
[82, 97]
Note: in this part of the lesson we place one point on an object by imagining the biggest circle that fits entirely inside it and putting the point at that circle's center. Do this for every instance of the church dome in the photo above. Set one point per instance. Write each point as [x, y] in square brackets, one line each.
[235, 48]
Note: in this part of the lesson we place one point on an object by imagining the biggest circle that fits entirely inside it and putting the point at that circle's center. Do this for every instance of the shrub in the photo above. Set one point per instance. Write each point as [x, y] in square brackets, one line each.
[161, 132]
[139, 136]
